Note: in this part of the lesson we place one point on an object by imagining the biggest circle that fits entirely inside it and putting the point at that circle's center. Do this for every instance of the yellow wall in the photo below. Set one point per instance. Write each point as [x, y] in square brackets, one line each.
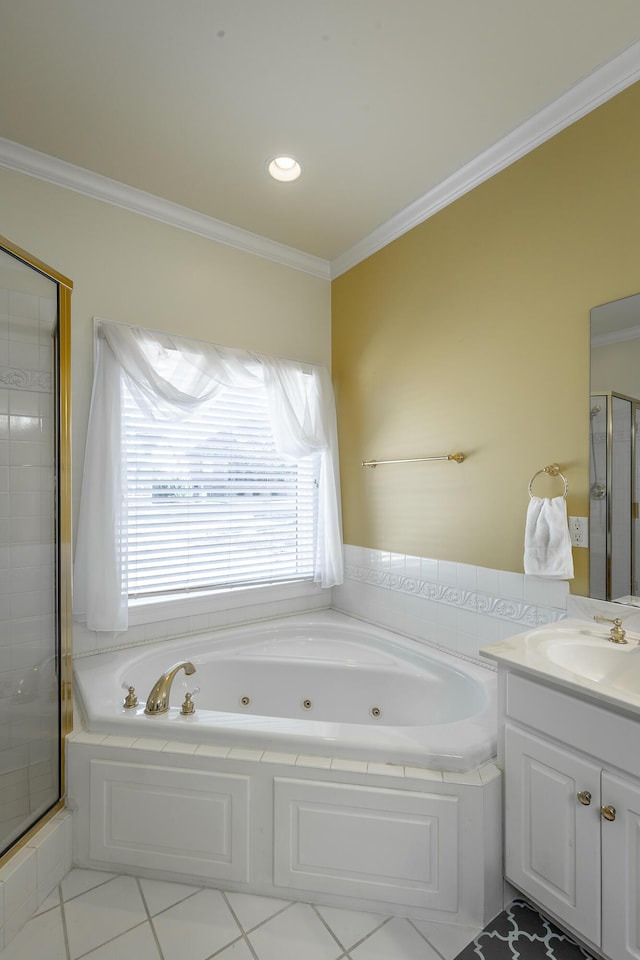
[129, 268]
[471, 332]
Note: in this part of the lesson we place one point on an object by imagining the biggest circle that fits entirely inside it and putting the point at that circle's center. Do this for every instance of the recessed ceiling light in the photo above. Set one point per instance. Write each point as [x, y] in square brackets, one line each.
[285, 168]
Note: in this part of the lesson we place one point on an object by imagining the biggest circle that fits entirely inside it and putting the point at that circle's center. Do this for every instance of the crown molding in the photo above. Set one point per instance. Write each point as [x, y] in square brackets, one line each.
[585, 96]
[33, 163]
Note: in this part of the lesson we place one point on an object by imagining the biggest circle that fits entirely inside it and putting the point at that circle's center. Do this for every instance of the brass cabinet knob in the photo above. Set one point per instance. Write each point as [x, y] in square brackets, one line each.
[608, 812]
[584, 797]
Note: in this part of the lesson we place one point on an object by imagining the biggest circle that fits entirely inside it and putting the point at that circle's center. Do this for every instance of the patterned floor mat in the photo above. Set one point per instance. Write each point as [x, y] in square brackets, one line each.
[521, 933]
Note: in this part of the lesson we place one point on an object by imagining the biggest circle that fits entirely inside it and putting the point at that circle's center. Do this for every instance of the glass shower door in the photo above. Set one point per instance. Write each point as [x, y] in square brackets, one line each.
[33, 592]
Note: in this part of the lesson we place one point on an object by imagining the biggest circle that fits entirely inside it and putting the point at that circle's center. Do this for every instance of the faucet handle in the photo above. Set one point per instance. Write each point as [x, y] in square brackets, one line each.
[617, 634]
[131, 699]
[189, 707]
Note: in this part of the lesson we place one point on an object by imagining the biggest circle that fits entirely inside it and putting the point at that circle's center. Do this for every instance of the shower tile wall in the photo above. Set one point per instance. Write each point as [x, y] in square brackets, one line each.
[28, 711]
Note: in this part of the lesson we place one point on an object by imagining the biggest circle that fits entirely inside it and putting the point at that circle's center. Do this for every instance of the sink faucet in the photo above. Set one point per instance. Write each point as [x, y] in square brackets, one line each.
[617, 634]
[158, 699]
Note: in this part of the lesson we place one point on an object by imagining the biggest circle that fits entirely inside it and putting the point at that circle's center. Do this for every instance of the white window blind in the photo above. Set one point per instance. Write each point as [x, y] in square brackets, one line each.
[210, 502]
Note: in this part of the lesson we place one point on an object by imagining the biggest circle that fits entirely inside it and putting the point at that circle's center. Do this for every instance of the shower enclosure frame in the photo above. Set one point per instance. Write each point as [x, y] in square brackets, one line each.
[634, 448]
[63, 527]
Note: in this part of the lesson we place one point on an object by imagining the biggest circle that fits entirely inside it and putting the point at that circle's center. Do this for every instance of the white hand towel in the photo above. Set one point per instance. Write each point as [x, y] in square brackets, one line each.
[547, 544]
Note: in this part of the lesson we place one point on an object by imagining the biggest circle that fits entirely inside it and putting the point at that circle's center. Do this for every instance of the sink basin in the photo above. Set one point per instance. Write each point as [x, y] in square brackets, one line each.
[589, 658]
[579, 653]
[588, 653]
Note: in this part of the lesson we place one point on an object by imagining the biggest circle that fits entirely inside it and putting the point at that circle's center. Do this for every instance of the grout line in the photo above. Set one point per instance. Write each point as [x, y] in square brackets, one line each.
[243, 935]
[324, 922]
[428, 942]
[370, 934]
[242, 938]
[63, 920]
[42, 913]
[150, 920]
[99, 946]
[171, 905]
[288, 906]
[102, 883]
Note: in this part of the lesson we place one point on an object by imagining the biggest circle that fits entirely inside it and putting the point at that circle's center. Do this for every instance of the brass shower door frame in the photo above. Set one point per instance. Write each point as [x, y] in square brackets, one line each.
[64, 512]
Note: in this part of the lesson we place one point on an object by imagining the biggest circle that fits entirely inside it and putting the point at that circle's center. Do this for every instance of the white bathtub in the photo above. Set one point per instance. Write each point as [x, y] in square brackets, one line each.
[316, 684]
[302, 793]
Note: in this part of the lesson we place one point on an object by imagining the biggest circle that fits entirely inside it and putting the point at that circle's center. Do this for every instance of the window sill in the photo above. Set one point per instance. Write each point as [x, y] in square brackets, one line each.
[148, 610]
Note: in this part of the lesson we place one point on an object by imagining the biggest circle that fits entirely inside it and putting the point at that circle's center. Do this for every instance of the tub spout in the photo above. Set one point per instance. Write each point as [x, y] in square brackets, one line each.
[158, 699]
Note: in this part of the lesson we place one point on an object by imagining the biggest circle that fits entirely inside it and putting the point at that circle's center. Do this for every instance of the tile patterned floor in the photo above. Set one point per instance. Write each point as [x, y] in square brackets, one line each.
[103, 916]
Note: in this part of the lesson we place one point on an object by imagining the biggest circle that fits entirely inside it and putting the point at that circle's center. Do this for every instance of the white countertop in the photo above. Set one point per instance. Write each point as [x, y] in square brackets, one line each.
[578, 656]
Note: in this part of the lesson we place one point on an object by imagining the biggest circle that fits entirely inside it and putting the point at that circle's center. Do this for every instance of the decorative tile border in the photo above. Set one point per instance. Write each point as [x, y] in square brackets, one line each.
[514, 611]
[16, 379]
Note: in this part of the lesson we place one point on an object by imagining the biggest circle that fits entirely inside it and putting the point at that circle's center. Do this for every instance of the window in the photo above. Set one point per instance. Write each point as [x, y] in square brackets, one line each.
[204, 467]
[211, 503]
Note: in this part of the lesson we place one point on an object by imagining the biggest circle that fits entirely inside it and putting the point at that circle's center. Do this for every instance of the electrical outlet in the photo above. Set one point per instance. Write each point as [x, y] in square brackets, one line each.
[579, 531]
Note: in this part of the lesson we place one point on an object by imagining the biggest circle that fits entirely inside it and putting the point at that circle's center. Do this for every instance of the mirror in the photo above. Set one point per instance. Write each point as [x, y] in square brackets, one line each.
[614, 437]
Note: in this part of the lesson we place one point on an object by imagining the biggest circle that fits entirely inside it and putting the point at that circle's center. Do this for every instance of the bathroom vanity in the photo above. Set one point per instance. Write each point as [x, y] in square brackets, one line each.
[569, 702]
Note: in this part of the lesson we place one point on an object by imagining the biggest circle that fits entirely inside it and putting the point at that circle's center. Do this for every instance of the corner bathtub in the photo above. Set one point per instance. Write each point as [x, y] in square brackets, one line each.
[327, 761]
[314, 684]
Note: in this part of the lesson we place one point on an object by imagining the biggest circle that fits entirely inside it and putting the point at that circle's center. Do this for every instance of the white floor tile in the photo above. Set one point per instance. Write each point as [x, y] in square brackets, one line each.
[103, 913]
[252, 910]
[41, 937]
[296, 933]
[350, 926]
[159, 895]
[139, 943]
[79, 881]
[447, 938]
[397, 940]
[204, 922]
[106, 918]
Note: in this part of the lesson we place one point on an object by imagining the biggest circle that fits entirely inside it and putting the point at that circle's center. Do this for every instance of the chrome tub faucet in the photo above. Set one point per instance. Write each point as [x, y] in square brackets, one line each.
[158, 699]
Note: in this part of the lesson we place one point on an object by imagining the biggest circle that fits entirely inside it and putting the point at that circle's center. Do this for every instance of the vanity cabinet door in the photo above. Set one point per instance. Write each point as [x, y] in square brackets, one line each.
[552, 849]
[621, 869]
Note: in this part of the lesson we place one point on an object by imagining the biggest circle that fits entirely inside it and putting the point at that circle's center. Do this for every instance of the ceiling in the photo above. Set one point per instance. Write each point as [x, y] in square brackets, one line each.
[381, 101]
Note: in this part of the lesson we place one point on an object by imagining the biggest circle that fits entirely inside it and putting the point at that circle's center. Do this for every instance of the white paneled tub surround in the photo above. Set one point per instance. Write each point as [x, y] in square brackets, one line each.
[399, 813]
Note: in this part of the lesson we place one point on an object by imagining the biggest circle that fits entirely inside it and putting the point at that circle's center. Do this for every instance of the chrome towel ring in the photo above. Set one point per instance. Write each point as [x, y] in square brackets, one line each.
[552, 470]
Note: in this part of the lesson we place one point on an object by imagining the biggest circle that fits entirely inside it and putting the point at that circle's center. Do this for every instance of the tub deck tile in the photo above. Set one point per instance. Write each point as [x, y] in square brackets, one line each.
[270, 756]
[349, 766]
[83, 736]
[175, 746]
[240, 753]
[489, 771]
[385, 769]
[470, 777]
[423, 773]
[207, 750]
[113, 741]
[323, 763]
[149, 743]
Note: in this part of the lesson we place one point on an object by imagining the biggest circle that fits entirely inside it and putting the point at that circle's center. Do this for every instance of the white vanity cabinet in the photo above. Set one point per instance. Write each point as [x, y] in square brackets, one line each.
[572, 811]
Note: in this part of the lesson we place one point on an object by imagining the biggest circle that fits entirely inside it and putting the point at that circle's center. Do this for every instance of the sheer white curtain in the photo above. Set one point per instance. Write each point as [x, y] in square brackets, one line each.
[168, 375]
